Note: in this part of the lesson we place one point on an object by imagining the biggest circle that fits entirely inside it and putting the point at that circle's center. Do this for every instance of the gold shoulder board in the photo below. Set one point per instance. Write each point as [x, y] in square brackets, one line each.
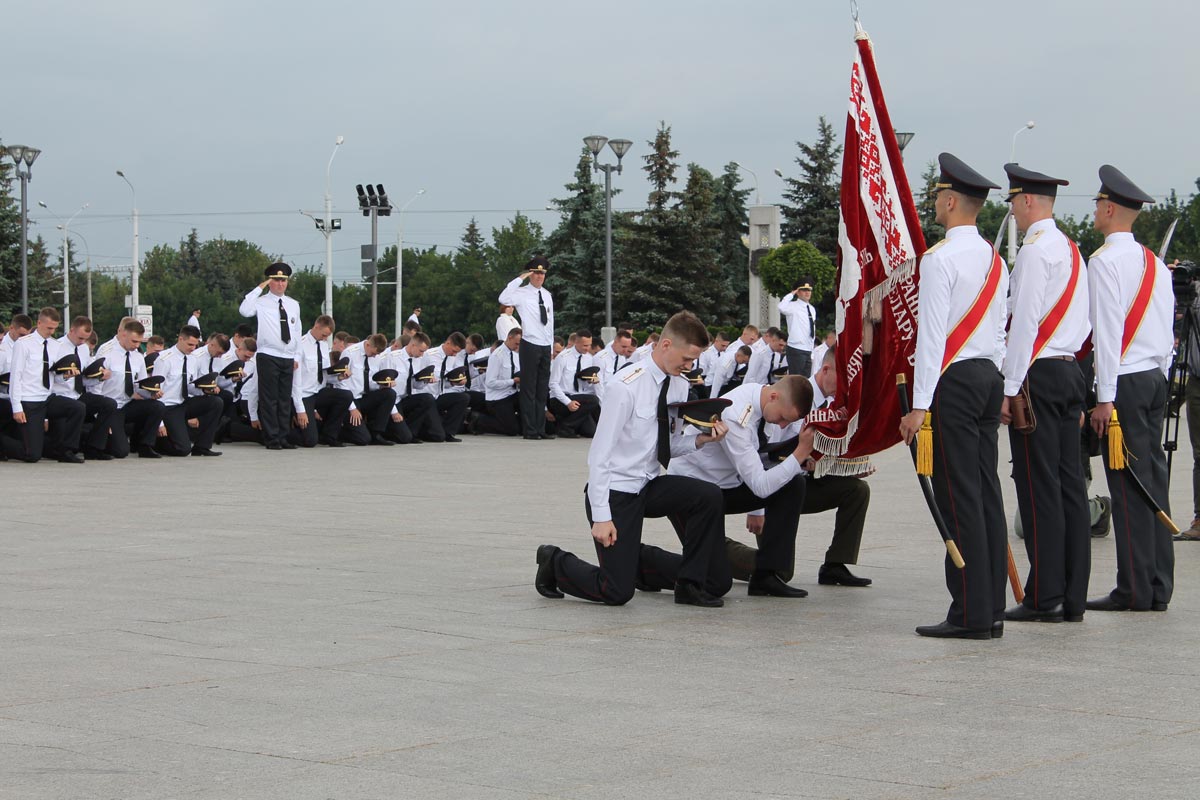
[1101, 249]
[935, 247]
[1031, 239]
[746, 414]
[631, 377]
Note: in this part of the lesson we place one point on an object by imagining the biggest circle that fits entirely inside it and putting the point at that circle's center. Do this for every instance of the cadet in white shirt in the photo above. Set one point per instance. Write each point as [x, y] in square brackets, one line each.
[32, 401]
[449, 394]
[964, 286]
[370, 413]
[320, 410]
[709, 360]
[137, 412]
[731, 369]
[746, 485]
[612, 359]
[763, 363]
[183, 401]
[636, 437]
[820, 350]
[279, 333]
[502, 381]
[20, 325]
[573, 398]
[1048, 301]
[536, 307]
[1132, 310]
[415, 417]
[796, 308]
[99, 409]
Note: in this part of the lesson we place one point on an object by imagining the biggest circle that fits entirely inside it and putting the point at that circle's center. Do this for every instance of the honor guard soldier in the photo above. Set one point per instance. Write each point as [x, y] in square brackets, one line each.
[637, 436]
[747, 485]
[279, 334]
[184, 400]
[802, 326]
[138, 412]
[1044, 401]
[99, 410]
[573, 380]
[964, 286]
[33, 402]
[536, 307]
[1132, 309]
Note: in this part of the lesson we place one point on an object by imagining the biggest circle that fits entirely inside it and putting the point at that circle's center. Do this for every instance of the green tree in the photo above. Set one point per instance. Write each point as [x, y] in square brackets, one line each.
[781, 268]
[576, 251]
[812, 209]
[732, 222]
[926, 202]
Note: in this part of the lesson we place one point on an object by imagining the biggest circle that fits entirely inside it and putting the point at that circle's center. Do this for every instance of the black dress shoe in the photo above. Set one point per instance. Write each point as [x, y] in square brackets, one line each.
[1069, 617]
[690, 594]
[382, 442]
[1158, 606]
[145, 451]
[997, 630]
[642, 586]
[944, 630]
[454, 439]
[1105, 603]
[273, 446]
[546, 581]
[839, 575]
[204, 451]
[92, 454]
[545, 435]
[1024, 613]
[288, 446]
[70, 457]
[768, 584]
[566, 434]
[533, 437]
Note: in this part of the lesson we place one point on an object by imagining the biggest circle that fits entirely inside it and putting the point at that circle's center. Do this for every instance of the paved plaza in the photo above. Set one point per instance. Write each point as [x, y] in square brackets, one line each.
[361, 623]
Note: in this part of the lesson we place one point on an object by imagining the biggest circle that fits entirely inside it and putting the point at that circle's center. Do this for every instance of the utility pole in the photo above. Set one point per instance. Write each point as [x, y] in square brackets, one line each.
[374, 204]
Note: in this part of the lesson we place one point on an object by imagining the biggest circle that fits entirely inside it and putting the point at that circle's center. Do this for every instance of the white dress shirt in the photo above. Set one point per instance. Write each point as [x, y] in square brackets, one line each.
[818, 355]
[525, 300]
[761, 364]
[249, 390]
[708, 363]
[6, 359]
[953, 272]
[170, 366]
[801, 321]
[502, 363]
[265, 306]
[735, 460]
[353, 382]
[194, 321]
[404, 363]
[65, 386]
[1114, 274]
[1038, 280]
[610, 363]
[25, 368]
[312, 358]
[563, 372]
[504, 324]
[624, 453]
[441, 363]
[115, 360]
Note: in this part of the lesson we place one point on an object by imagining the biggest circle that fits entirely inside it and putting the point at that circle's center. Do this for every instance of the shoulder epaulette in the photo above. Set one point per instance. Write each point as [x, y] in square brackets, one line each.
[1101, 249]
[935, 247]
[633, 376]
[744, 418]
[105, 348]
[163, 354]
[1031, 239]
[26, 336]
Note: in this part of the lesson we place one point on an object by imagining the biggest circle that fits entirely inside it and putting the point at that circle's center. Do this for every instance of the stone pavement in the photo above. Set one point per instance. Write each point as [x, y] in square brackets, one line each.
[361, 623]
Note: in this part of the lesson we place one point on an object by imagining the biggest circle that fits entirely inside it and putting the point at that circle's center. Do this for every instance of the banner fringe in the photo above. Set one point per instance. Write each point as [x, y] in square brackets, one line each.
[844, 467]
[899, 275]
[836, 446]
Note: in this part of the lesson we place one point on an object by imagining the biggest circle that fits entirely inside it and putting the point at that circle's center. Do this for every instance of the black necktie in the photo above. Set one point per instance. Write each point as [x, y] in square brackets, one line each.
[468, 367]
[285, 332]
[128, 376]
[616, 363]
[578, 366]
[320, 365]
[812, 325]
[442, 381]
[408, 383]
[664, 430]
[542, 308]
[512, 367]
[183, 381]
[46, 363]
[366, 373]
[79, 387]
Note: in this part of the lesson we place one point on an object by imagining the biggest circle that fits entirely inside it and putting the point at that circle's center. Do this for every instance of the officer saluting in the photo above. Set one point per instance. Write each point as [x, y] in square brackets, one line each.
[536, 307]
[279, 334]
[1132, 307]
[962, 298]
[1049, 302]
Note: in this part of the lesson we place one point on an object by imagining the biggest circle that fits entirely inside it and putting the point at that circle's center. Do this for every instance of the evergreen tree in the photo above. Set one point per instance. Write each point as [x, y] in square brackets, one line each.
[732, 224]
[700, 247]
[812, 211]
[926, 203]
[576, 252]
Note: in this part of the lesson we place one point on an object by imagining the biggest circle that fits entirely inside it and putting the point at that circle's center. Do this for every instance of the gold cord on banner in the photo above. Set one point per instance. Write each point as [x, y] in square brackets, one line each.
[925, 446]
[1116, 443]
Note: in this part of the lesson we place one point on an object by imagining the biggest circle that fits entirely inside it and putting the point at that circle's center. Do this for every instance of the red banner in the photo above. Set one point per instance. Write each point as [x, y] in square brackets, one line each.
[879, 242]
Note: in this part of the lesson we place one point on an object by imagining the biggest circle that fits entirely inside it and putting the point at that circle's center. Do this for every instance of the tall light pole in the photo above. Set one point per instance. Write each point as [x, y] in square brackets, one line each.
[87, 249]
[137, 266]
[902, 140]
[64, 227]
[1012, 221]
[400, 264]
[757, 194]
[20, 153]
[328, 229]
[619, 147]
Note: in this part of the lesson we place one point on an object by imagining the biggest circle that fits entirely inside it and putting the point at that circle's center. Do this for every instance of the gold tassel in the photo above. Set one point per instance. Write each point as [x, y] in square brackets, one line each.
[1116, 443]
[925, 446]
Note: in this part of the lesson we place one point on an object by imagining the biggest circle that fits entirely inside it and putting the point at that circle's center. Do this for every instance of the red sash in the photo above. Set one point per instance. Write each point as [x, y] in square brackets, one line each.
[1141, 303]
[965, 328]
[1051, 321]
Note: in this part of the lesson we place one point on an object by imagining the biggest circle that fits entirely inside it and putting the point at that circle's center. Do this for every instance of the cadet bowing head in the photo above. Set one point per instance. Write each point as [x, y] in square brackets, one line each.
[188, 339]
[375, 344]
[826, 374]
[787, 400]
[418, 343]
[247, 347]
[322, 327]
[682, 339]
[130, 334]
[48, 319]
[583, 341]
[20, 326]
[623, 343]
[80, 330]
[513, 340]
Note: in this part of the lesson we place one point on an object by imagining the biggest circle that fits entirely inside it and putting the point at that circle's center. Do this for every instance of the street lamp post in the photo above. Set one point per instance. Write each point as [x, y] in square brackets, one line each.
[374, 203]
[65, 228]
[400, 264]
[133, 288]
[327, 230]
[1012, 221]
[20, 153]
[753, 174]
[619, 147]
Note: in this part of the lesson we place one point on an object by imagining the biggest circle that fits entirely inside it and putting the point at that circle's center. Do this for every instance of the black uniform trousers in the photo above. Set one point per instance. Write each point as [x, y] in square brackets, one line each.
[421, 420]
[1051, 491]
[274, 396]
[66, 422]
[966, 486]
[799, 361]
[535, 387]
[98, 411]
[1145, 552]
[452, 408]
[240, 428]
[850, 496]
[614, 580]
[502, 417]
[376, 409]
[206, 409]
[308, 436]
[333, 406]
[140, 418]
[581, 421]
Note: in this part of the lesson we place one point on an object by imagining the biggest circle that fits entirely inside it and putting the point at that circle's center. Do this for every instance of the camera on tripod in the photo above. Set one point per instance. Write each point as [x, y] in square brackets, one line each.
[1183, 281]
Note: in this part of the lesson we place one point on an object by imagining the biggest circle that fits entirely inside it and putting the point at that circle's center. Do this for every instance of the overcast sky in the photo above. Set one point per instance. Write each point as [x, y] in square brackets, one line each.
[223, 114]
